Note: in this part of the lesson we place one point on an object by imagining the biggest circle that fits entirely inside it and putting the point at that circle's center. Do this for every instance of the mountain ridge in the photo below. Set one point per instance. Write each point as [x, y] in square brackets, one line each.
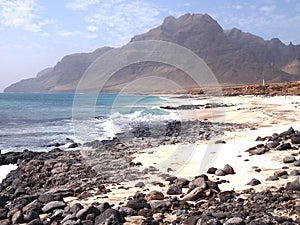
[235, 57]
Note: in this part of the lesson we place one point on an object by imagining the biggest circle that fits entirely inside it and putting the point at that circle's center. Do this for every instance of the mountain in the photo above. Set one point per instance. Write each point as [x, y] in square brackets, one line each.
[234, 56]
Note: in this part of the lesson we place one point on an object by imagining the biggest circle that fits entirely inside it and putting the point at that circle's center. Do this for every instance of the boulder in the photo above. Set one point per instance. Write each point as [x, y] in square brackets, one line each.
[289, 159]
[137, 204]
[110, 213]
[174, 190]
[235, 221]
[195, 194]
[220, 172]
[82, 214]
[254, 182]
[228, 169]
[49, 207]
[18, 217]
[198, 182]
[155, 195]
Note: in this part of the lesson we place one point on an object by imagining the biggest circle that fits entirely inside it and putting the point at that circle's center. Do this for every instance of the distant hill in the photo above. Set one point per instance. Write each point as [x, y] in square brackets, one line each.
[235, 57]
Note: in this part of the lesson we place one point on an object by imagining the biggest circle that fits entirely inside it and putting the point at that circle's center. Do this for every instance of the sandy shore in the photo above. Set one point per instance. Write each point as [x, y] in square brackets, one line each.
[129, 174]
[267, 114]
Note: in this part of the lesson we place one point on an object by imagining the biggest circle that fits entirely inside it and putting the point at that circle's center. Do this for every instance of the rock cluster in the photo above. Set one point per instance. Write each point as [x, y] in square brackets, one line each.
[36, 193]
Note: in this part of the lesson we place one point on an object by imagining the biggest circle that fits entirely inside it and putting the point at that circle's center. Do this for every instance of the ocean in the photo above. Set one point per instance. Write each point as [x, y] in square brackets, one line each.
[37, 121]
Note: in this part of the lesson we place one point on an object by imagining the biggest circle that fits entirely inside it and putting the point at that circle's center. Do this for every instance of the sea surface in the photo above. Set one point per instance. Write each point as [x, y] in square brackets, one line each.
[36, 121]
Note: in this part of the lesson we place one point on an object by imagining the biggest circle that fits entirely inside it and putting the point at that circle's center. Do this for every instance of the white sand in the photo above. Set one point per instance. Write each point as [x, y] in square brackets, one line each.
[4, 170]
[269, 115]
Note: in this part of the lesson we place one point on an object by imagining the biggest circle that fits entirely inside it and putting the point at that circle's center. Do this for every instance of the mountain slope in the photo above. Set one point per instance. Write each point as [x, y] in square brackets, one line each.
[235, 57]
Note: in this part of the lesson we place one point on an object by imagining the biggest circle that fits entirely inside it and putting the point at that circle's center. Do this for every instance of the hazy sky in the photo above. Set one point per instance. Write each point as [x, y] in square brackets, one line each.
[36, 34]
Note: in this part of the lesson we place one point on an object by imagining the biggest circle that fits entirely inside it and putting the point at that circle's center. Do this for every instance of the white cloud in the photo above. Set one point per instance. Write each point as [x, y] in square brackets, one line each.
[66, 33]
[21, 14]
[267, 9]
[92, 28]
[93, 36]
[120, 20]
[81, 4]
[187, 4]
[238, 7]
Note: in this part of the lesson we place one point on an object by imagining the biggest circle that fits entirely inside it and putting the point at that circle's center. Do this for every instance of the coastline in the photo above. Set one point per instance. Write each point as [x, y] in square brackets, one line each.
[263, 117]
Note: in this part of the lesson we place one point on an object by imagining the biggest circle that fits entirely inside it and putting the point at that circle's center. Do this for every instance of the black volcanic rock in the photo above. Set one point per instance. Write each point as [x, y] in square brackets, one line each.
[234, 57]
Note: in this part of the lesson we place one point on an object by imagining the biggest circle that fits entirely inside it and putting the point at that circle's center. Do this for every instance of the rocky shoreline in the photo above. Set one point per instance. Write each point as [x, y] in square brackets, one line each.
[38, 192]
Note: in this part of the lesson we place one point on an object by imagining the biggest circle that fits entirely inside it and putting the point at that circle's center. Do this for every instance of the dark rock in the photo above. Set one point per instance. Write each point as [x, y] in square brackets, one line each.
[213, 186]
[36, 222]
[24, 200]
[34, 205]
[258, 151]
[284, 146]
[297, 163]
[17, 218]
[53, 205]
[73, 145]
[103, 206]
[213, 222]
[19, 191]
[45, 198]
[3, 213]
[182, 182]
[280, 173]
[31, 215]
[220, 142]
[272, 178]
[87, 222]
[5, 222]
[140, 184]
[139, 196]
[57, 215]
[295, 139]
[254, 182]
[69, 217]
[138, 204]
[198, 182]
[126, 211]
[193, 195]
[235, 221]
[174, 190]
[226, 196]
[220, 215]
[155, 195]
[211, 170]
[289, 159]
[220, 172]
[75, 208]
[81, 214]
[273, 144]
[259, 139]
[295, 173]
[3, 200]
[90, 217]
[295, 185]
[107, 214]
[228, 169]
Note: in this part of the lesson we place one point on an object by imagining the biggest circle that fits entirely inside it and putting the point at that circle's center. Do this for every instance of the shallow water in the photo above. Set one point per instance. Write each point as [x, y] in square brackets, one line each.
[33, 121]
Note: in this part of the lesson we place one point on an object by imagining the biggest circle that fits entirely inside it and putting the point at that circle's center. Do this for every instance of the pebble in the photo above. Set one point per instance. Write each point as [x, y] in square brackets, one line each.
[289, 159]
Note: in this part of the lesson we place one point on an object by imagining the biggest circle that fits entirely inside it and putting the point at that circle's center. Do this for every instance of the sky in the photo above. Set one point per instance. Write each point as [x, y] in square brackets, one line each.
[36, 34]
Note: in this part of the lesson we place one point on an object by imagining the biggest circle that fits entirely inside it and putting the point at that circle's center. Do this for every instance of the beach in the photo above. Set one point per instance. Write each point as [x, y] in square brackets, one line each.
[177, 173]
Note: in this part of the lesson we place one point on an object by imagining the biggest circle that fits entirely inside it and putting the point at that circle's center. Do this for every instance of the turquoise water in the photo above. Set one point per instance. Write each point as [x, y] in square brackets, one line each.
[33, 121]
